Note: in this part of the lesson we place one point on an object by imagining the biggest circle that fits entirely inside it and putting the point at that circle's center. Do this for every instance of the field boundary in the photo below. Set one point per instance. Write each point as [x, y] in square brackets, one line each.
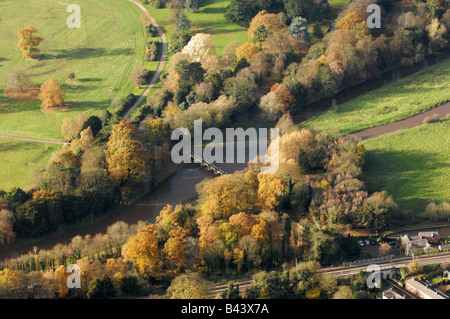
[30, 139]
[31, 162]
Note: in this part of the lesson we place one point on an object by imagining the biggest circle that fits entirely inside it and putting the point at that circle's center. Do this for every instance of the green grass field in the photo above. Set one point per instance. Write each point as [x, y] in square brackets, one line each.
[20, 159]
[102, 54]
[409, 96]
[210, 18]
[412, 165]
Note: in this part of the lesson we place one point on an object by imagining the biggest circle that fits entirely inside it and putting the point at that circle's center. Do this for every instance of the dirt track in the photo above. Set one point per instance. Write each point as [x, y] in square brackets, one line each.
[409, 122]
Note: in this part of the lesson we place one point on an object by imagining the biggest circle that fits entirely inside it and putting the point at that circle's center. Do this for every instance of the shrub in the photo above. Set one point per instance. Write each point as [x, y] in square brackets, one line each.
[150, 30]
[431, 119]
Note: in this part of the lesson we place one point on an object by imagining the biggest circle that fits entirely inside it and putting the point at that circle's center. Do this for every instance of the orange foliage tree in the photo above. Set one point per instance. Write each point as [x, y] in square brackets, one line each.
[351, 20]
[270, 187]
[52, 94]
[273, 22]
[29, 42]
[143, 250]
[125, 154]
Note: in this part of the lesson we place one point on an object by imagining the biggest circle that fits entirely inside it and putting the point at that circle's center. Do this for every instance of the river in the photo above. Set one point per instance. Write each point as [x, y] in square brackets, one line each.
[180, 186]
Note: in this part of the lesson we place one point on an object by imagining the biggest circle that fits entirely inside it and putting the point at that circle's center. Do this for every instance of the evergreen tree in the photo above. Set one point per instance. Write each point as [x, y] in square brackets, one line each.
[299, 29]
[183, 24]
[192, 5]
[101, 288]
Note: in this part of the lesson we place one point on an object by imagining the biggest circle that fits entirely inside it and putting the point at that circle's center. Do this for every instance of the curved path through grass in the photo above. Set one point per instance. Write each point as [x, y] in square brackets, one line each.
[410, 122]
[162, 60]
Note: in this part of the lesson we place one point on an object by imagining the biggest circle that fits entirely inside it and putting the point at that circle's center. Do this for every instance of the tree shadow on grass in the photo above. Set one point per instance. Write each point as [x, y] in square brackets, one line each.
[213, 10]
[407, 175]
[11, 145]
[84, 53]
[89, 80]
[87, 106]
[2, 60]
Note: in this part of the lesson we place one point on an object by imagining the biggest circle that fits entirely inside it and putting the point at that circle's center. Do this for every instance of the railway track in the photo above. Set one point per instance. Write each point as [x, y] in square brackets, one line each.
[351, 270]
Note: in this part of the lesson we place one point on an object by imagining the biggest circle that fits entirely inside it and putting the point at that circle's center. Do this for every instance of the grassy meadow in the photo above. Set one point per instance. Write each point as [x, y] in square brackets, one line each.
[19, 159]
[102, 54]
[406, 97]
[412, 165]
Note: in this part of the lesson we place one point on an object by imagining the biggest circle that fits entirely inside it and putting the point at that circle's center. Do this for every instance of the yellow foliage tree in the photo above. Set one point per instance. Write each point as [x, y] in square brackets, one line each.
[51, 94]
[351, 20]
[143, 250]
[125, 153]
[175, 247]
[29, 42]
[270, 187]
[246, 51]
[190, 286]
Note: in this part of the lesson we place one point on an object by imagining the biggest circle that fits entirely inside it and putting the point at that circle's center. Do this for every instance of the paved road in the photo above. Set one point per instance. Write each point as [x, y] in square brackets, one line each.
[161, 61]
[409, 122]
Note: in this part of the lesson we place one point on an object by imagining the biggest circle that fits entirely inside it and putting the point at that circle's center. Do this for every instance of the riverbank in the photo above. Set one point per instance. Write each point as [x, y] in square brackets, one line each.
[66, 232]
[406, 97]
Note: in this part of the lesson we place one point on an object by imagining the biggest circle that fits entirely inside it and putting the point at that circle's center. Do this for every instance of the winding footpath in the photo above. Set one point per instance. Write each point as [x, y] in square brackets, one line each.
[162, 60]
[407, 123]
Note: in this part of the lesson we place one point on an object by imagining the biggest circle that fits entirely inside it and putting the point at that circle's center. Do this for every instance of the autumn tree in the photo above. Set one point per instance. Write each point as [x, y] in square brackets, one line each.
[351, 20]
[344, 292]
[272, 23]
[143, 250]
[246, 51]
[89, 270]
[125, 154]
[277, 102]
[260, 65]
[7, 234]
[51, 94]
[70, 128]
[176, 248]
[437, 32]
[29, 42]
[224, 196]
[270, 188]
[189, 286]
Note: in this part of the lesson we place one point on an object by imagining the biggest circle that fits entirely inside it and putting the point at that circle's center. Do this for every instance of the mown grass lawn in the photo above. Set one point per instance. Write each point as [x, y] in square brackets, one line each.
[209, 18]
[412, 165]
[16, 169]
[102, 54]
[409, 96]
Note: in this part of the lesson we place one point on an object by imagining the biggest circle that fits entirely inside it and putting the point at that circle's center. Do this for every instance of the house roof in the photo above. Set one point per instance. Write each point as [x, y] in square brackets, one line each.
[425, 289]
[428, 234]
